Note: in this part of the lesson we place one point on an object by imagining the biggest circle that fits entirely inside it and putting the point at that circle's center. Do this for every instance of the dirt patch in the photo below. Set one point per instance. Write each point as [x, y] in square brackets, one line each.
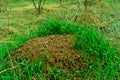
[54, 50]
[8, 30]
[23, 8]
[31, 6]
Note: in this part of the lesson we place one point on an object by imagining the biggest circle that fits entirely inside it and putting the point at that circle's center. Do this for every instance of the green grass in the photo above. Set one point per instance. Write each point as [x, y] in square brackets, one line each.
[20, 3]
[58, 27]
[95, 45]
[90, 43]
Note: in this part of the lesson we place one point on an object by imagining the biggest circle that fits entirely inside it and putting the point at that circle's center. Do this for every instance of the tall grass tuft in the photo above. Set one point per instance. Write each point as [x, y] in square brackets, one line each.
[93, 44]
[56, 27]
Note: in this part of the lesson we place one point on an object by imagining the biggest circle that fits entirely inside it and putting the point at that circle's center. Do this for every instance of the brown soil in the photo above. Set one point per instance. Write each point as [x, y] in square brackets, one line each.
[54, 50]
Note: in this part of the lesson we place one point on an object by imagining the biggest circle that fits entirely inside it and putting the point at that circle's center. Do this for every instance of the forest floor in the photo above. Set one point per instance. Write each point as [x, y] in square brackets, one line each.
[57, 49]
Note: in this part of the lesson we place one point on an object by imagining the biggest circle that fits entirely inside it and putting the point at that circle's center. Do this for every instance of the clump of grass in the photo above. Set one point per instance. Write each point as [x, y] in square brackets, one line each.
[24, 70]
[93, 44]
[91, 41]
[56, 27]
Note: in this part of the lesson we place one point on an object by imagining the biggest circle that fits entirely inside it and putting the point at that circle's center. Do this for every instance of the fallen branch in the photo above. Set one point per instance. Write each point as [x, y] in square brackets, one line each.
[75, 14]
[8, 69]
